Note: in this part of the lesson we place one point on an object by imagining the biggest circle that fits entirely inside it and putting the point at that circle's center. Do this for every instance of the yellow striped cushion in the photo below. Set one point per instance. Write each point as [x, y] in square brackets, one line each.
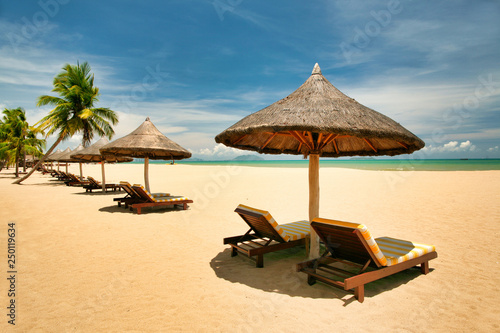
[294, 230]
[366, 235]
[288, 231]
[155, 195]
[170, 199]
[397, 251]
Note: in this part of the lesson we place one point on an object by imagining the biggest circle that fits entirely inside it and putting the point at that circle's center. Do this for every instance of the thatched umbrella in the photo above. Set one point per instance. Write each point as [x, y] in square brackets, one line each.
[51, 159]
[60, 155]
[319, 120]
[92, 154]
[146, 142]
[66, 157]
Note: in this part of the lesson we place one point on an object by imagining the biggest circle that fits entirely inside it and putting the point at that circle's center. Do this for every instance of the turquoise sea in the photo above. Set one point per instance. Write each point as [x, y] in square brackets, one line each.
[364, 164]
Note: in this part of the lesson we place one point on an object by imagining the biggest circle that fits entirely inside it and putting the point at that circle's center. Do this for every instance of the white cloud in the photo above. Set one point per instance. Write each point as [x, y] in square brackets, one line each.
[218, 152]
[452, 146]
[493, 149]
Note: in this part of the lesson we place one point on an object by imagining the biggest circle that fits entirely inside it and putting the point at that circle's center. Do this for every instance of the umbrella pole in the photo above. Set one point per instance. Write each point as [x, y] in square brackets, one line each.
[146, 173]
[313, 202]
[67, 167]
[103, 183]
[81, 173]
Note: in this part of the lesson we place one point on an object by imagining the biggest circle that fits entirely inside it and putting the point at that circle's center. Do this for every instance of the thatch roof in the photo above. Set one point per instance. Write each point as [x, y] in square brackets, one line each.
[318, 118]
[54, 155]
[62, 154]
[146, 141]
[92, 154]
[66, 157]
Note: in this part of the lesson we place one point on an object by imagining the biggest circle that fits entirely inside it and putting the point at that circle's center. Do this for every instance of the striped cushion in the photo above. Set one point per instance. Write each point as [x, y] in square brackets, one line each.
[170, 199]
[155, 195]
[288, 231]
[388, 251]
[366, 235]
[397, 251]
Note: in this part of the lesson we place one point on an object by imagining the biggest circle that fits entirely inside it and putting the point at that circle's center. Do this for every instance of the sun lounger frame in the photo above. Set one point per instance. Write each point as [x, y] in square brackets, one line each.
[350, 248]
[95, 185]
[264, 239]
[147, 201]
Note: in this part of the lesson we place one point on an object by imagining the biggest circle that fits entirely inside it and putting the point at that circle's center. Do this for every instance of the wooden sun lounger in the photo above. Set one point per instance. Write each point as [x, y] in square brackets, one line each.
[132, 196]
[76, 181]
[147, 200]
[265, 235]
[351, 245]
[96, 185]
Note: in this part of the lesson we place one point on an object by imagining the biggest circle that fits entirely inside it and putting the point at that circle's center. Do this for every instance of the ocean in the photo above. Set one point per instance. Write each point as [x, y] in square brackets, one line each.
[364, 164]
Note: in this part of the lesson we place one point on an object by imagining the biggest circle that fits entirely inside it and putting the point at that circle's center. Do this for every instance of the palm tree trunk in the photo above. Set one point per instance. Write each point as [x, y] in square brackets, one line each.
[24, 160]
[39, 162]
[18, 152]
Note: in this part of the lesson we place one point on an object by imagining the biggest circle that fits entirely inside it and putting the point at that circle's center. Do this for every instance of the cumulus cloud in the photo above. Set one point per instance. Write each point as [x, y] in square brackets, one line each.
[218, 152]
[452, 146]
[493, 149]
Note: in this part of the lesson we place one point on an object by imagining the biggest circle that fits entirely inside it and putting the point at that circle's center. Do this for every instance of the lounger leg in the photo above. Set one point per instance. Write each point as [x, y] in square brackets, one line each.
[359, 293]
[119, 204]
[185, 206]
[311, 280]
[424, 267]
[138, 210]
[260, 260]
[234, 251]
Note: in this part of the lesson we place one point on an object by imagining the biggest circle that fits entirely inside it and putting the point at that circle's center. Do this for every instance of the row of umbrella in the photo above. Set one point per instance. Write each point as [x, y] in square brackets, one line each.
[316, 120]
[145, 142]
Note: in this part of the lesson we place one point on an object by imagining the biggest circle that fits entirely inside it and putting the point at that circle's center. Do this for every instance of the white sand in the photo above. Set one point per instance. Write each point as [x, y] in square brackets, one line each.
[86, 265]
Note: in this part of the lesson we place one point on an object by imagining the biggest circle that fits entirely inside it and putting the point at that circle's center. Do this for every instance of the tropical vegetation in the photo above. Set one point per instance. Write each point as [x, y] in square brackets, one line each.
[74, 111]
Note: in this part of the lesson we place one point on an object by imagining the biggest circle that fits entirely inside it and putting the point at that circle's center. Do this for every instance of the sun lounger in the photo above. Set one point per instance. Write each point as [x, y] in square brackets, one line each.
[265, 235]
[132, 196]
[147, 200]
[96, 185]
[76, 181]
[351, 245]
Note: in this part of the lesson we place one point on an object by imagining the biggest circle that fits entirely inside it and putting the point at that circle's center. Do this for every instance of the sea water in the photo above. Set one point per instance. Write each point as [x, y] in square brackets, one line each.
[364, 164]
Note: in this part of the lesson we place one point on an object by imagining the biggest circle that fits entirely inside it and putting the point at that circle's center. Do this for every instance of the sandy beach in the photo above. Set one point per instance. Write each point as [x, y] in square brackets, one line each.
[84, 264]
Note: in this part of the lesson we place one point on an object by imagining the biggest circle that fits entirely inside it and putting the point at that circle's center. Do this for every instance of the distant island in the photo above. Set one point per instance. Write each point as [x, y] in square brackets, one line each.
[248, 158]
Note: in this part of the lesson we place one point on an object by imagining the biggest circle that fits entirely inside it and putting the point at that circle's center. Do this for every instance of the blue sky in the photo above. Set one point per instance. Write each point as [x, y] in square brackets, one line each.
[195, 67]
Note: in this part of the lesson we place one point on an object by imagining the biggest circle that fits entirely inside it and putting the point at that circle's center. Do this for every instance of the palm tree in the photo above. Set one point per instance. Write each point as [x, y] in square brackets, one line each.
[18, 138]
[74, 110]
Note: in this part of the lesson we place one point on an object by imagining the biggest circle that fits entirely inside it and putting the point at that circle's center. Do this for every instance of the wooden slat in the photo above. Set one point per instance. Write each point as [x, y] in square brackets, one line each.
[268, 140]
[301, 138]
[370, 144]
[404, 145]
[241, 138]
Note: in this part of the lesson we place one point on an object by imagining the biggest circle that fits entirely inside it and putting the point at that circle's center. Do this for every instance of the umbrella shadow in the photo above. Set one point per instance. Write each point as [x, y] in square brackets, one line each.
[280, 276]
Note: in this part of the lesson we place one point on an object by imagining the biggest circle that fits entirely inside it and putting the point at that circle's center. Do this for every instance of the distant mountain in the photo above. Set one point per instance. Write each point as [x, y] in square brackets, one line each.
[248, 158]
[194, 159]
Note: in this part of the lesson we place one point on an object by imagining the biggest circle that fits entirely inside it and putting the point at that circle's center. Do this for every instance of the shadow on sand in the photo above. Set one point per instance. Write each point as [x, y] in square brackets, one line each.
[279, 276]
[144, 211]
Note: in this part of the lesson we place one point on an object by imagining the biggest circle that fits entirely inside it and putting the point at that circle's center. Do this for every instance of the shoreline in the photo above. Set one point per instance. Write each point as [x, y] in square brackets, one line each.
[86, 264]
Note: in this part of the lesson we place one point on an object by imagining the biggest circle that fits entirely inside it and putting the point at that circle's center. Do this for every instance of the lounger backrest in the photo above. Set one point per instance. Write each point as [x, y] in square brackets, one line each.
[261, 222]
[93, 181]
[143, 193]
[350, 241]
[128, 188]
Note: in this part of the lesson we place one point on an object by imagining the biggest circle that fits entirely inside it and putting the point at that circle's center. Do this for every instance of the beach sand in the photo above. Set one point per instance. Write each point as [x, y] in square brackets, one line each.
[83, 264]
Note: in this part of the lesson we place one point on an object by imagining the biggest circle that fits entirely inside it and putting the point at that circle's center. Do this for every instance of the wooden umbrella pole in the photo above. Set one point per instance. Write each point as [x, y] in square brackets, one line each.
[67, 167]
[103, 183]
[81, 173]
[313, 202]
[146, 173]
